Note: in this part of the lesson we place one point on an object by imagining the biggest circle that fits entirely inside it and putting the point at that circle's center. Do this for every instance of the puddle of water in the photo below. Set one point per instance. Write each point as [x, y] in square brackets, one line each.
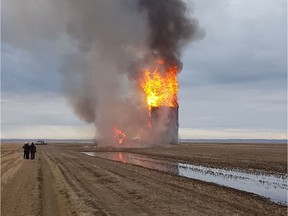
[270, 186]
[89, 153]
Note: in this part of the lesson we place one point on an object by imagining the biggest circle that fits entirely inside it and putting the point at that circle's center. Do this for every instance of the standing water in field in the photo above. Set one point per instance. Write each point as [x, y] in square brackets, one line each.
[270, 186]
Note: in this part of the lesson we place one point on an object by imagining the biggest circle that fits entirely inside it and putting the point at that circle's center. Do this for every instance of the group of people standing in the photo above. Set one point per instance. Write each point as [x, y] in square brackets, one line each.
[29, 149]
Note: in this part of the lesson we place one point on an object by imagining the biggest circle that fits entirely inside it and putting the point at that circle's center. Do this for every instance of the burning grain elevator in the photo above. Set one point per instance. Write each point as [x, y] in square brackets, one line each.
[122, 76]
[159, 82]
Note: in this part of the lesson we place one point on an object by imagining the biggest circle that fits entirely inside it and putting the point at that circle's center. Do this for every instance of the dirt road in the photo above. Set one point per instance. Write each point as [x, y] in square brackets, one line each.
[62, 181]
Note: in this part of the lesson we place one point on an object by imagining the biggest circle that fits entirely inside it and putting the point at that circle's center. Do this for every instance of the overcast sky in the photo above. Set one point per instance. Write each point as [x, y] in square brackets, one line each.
[233, 83]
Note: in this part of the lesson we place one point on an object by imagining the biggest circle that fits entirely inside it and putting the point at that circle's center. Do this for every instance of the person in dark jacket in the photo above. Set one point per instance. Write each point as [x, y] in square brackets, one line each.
[26, 148]
[32, 150]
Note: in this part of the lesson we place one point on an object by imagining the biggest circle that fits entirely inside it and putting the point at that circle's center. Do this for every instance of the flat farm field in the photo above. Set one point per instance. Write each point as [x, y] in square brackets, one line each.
[63, 181]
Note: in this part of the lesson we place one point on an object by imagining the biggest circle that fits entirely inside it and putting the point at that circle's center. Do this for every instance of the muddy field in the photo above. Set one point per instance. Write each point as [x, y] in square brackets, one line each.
[62, 181]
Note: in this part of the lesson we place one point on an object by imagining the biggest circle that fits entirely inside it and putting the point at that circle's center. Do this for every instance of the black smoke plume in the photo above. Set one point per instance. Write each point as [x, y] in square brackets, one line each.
[102, 46]
[171, 28]
[114, 40]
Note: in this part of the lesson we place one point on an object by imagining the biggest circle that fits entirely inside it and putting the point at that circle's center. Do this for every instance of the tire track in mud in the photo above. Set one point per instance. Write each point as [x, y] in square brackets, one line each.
[125, 194]
[105, 183]
[64, 202]
[10, 166]
[122, 189]
[20, 195]
[77, 187]
[80, 187]
[40, 185]
[147, 181]
[48, 196]
[170, 189]
[165, 190]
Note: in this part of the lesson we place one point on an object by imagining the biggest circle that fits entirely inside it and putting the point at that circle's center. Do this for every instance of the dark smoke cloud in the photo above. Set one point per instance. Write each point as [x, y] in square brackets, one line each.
[104, 42]
[108, 36]
[171, 28]
[114, 39]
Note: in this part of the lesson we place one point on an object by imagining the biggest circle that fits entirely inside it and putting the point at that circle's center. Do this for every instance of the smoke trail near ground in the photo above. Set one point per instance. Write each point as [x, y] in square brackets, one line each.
[109, 35]
[106, 45]
[113, 39]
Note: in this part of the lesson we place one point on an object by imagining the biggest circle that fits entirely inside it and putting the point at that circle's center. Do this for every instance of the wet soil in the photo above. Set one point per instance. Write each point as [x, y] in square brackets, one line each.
[62, 181]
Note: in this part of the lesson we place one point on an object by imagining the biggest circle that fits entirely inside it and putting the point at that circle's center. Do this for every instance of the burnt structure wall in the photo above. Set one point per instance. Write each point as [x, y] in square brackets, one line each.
[164, 121]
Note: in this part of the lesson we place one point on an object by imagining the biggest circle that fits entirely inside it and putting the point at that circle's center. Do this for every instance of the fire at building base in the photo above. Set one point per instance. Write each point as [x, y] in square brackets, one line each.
[161, 130]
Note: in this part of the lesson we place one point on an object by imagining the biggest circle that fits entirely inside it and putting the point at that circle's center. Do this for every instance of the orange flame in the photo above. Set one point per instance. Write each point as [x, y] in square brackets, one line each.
[161, 88]
[119, 135]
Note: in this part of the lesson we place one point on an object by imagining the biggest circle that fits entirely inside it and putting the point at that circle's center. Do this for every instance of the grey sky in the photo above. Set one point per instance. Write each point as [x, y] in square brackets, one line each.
[237, 74]
[233, 84]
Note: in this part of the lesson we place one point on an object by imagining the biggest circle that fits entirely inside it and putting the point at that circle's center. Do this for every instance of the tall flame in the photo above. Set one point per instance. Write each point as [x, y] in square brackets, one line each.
[160, 85]
[161, 88]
